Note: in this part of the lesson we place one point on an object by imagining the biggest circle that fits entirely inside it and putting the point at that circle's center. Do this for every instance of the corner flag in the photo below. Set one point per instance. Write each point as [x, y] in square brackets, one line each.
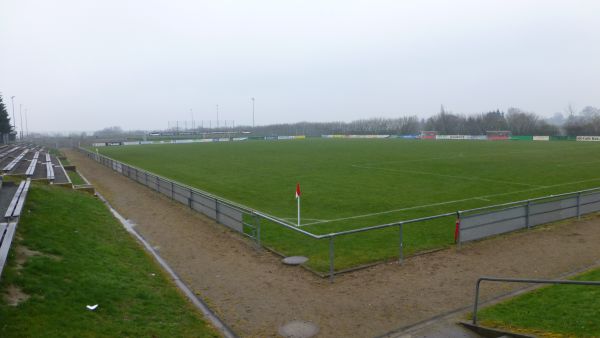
[298, 199]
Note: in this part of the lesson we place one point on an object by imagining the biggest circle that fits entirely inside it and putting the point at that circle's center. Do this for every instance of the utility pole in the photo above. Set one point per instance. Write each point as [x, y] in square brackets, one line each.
[192, 113]
[21, 114]
[217, 116]
[252, 112]
[26, 124]
[12, 99]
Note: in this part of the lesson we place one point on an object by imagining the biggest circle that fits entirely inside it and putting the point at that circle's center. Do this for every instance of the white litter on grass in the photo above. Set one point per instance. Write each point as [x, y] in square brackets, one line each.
[91, 307]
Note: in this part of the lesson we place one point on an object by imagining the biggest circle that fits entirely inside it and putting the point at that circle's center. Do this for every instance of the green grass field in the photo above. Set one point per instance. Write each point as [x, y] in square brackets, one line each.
[85, 257]
[354, 183]
[554, 311]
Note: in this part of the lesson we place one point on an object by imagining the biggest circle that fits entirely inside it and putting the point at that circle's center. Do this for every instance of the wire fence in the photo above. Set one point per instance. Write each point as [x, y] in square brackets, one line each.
[341, 251]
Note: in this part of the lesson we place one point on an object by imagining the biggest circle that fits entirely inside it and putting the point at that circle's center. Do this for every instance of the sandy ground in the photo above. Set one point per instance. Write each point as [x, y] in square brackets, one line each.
[255, 294]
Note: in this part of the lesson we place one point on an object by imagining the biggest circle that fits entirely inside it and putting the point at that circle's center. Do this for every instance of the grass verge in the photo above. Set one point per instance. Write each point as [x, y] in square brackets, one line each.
[554, 311]
[75, 178]
[82, 256]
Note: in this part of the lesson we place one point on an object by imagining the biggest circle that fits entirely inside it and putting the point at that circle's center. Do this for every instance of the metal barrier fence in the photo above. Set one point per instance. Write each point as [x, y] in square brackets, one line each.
[473, 224]
[230, 214]
[497, 219]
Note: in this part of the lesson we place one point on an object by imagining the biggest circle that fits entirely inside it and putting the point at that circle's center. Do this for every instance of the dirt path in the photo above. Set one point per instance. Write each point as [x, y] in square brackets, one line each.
[255, 294]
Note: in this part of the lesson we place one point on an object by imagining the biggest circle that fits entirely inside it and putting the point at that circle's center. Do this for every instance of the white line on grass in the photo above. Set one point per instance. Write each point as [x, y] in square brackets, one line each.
[307, 219]
[418, 172]
[451, 202]
[454, 156]
[577, 163]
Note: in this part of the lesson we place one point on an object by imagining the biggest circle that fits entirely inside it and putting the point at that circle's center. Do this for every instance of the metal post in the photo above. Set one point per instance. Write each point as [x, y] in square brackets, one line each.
[331, 255]
[401, 253]
[458, 220]
[257, 227]
[172, 191]
[252, 112]
[476, 302]
[579, 205]
[12, 99]
[527, 214]
[217, 210]
[191, 198]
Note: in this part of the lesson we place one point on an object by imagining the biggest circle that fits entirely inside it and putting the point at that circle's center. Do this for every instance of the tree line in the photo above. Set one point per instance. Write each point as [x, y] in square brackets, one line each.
[515, 120]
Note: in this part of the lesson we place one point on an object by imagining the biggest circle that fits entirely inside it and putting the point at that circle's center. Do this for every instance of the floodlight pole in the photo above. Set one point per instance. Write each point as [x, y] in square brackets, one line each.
[252, 112]
[26, 124]
[192, 113]
[21, 114]
[12, 99]
[217, 116]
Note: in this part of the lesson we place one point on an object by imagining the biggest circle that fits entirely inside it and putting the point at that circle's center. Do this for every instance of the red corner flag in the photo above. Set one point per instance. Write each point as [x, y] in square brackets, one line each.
[298, 199]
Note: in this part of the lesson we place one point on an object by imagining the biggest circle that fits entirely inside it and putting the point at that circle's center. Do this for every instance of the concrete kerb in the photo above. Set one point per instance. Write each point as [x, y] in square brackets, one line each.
[201, 305]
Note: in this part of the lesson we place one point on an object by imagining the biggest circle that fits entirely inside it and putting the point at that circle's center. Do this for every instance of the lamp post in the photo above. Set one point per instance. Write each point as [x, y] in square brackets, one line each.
[12, 99]
[21, 114]
[252, 112]
[192, 113]
[26, 124]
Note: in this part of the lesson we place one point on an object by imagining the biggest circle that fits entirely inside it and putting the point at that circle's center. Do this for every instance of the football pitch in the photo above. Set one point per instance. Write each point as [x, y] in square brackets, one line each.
[352, 183]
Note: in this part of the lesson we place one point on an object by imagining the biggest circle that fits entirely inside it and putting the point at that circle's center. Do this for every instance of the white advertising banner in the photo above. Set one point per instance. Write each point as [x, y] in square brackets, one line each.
[588, 138]
[460, 137]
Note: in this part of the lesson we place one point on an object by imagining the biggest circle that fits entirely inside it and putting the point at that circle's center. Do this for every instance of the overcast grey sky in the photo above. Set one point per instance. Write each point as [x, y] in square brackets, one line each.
[85, 65]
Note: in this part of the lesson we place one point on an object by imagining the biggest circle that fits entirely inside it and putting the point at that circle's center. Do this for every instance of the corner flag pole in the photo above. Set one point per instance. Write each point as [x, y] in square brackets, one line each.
[298, 199]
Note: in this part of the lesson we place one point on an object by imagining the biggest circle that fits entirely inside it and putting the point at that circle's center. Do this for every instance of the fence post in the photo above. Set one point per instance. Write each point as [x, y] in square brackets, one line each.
[190, 199]
[217, 210]
[257, 229]
[331, 256]
[146, 173]
[457, 233]
[401, 253]
[475, 305]
[172, 191]
[527, 214]
[579, 205]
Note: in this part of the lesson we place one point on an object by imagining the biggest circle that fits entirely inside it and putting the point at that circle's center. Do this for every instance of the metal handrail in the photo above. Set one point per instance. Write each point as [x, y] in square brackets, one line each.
[522, 280]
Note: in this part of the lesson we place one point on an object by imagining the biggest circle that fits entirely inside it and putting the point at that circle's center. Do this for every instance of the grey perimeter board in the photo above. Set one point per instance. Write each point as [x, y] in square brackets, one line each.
[526, 215]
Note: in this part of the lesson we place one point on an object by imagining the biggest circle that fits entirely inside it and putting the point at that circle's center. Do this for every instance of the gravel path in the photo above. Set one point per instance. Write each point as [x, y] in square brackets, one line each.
[255, 294]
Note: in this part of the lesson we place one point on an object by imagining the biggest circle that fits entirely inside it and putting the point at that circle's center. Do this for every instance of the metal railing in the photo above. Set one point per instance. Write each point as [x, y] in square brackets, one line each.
[331, 236]
[255, 215]
[521, 280]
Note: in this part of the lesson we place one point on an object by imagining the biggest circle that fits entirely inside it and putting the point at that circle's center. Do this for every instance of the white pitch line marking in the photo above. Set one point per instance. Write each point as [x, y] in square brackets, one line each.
[578, 163]
[454, 156]
[449, 176]
[308, 219]
[451, 202]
